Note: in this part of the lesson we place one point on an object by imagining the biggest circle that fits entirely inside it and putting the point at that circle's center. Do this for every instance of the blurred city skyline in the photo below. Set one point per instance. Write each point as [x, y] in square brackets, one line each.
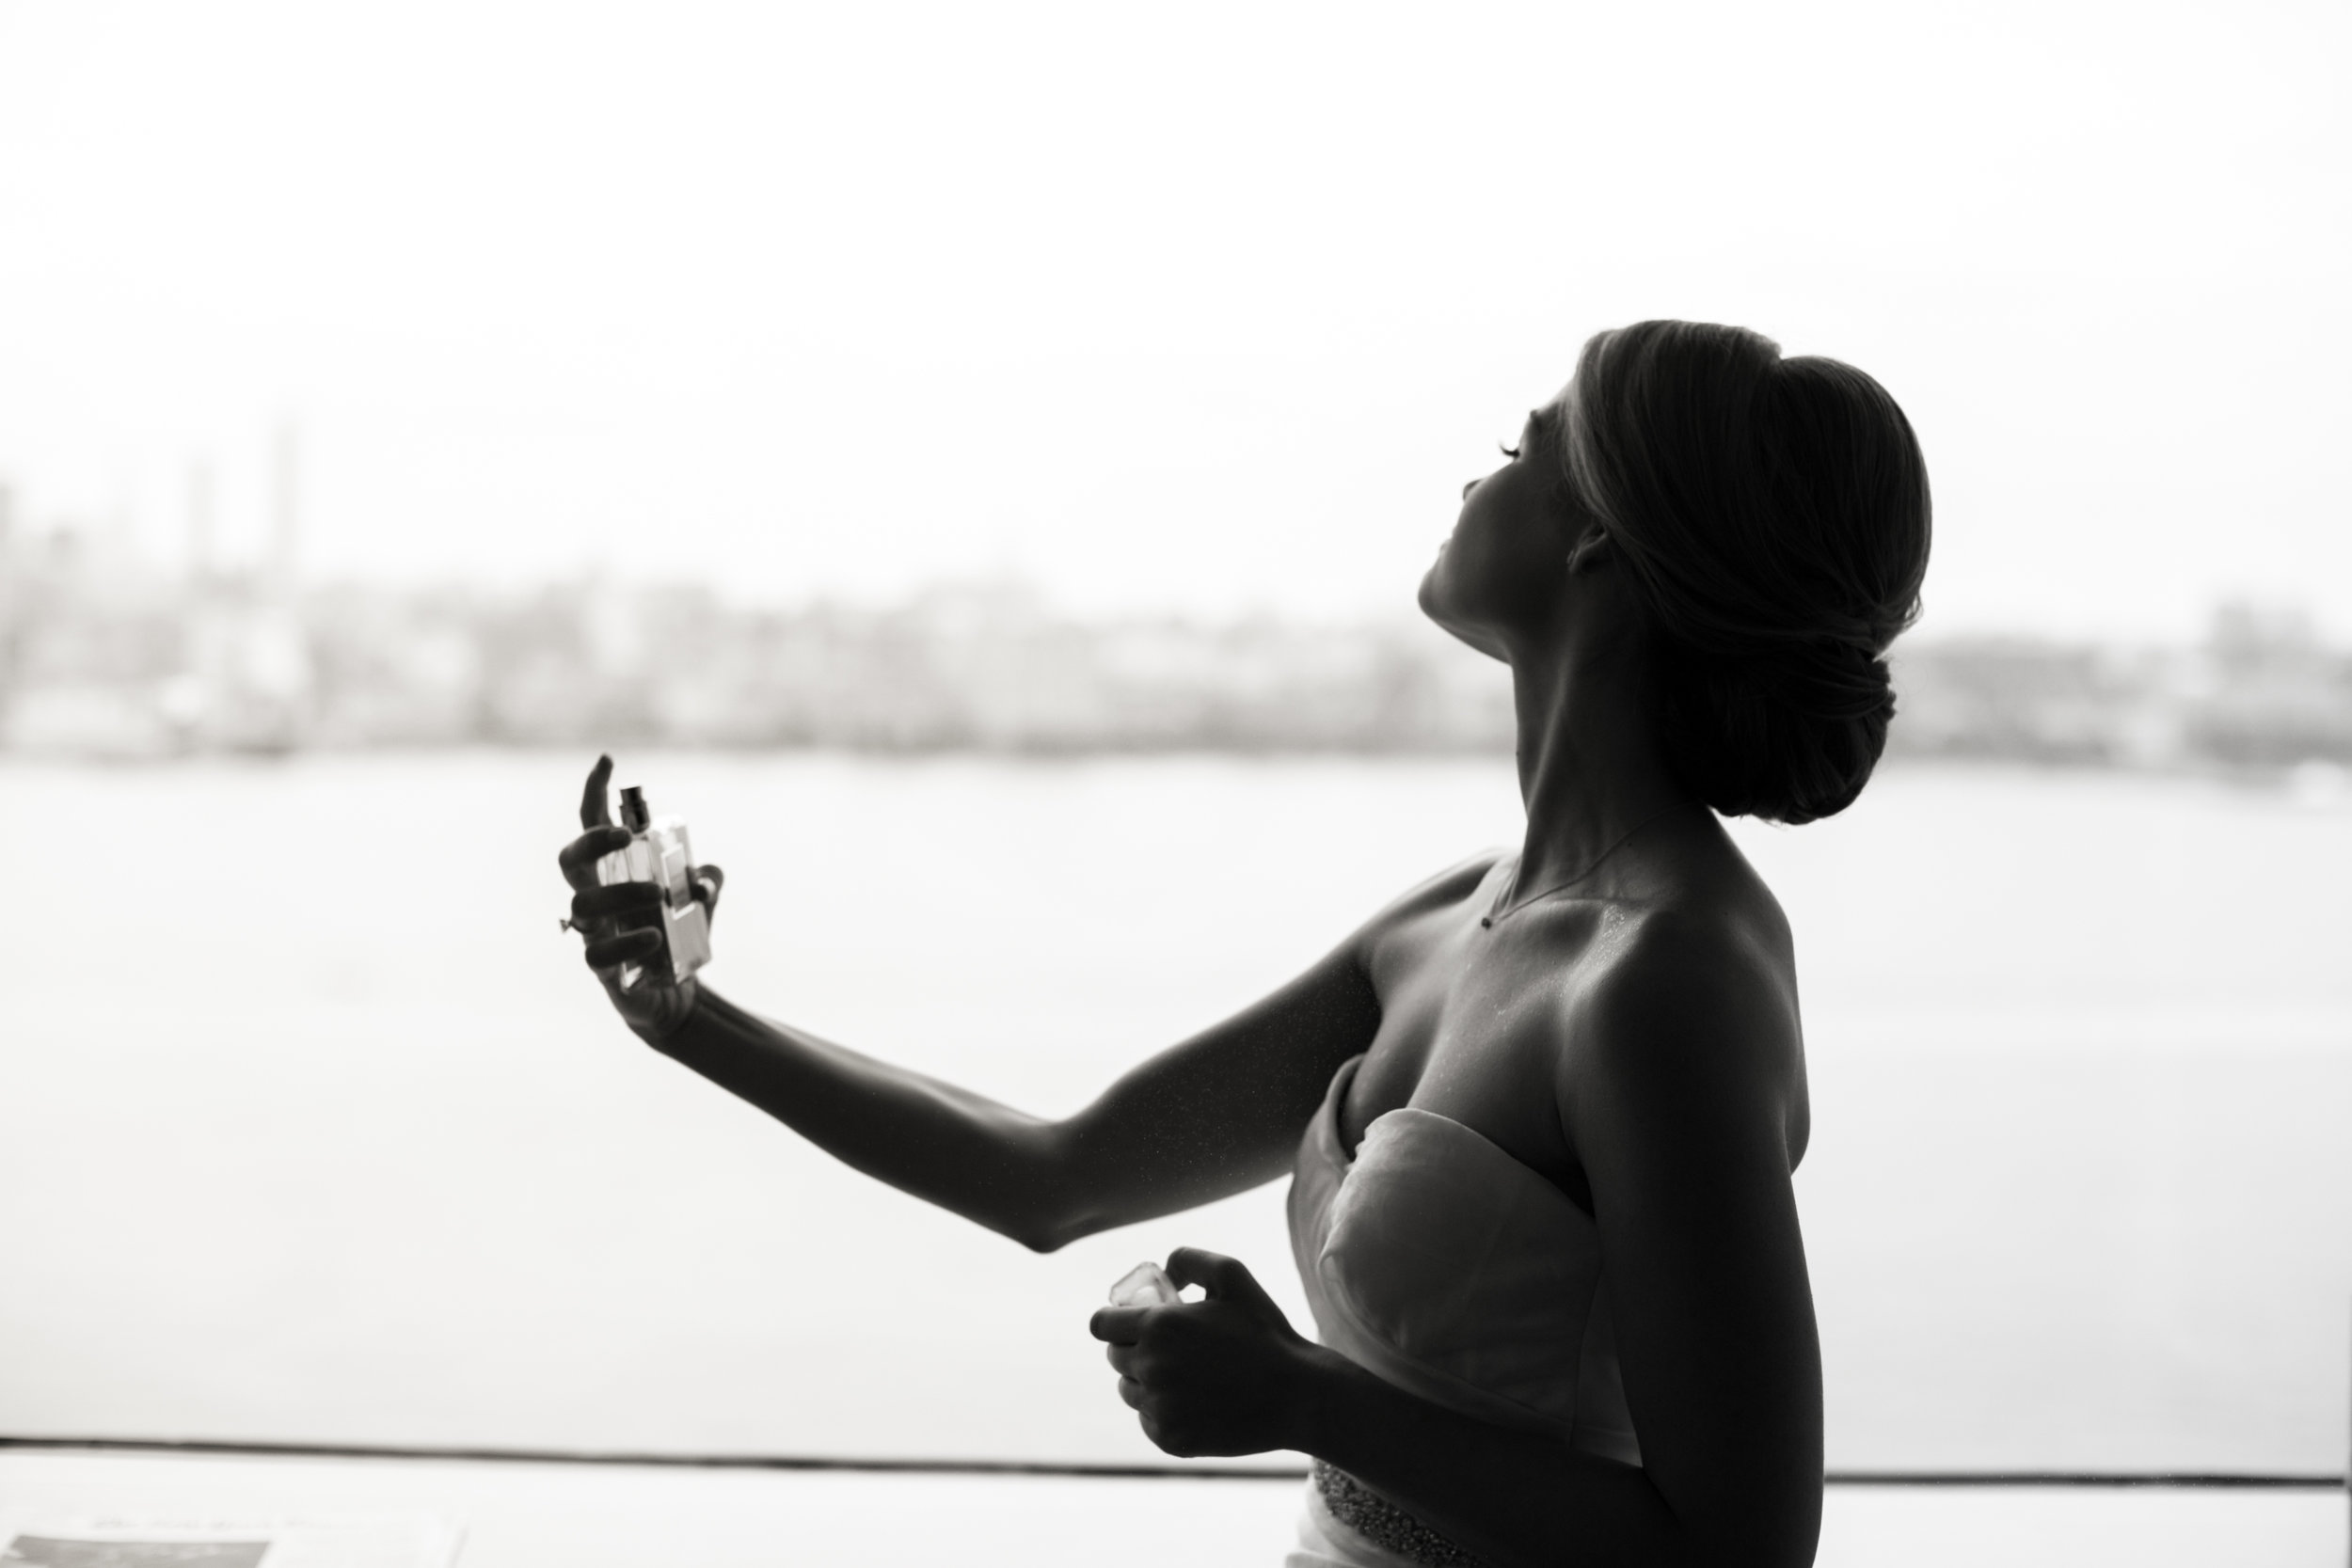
[1202, 320]
[105, 656]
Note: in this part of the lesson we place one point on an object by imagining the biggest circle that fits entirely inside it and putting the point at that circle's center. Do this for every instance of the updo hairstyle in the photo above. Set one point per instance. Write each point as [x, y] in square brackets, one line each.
[1773, 517]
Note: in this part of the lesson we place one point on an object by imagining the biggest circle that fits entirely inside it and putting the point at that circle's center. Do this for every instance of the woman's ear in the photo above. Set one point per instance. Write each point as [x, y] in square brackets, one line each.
[1592, 551]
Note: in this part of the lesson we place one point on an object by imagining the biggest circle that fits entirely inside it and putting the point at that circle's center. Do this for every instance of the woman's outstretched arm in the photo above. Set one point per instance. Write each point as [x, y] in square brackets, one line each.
[1214, 1116]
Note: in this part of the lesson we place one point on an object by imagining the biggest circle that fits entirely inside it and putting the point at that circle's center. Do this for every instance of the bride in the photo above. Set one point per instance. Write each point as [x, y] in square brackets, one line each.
[1540, 1112]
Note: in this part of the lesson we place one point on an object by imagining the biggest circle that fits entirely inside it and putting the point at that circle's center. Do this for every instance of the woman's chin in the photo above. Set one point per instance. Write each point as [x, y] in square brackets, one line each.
[1448, 618]
[1426, 596]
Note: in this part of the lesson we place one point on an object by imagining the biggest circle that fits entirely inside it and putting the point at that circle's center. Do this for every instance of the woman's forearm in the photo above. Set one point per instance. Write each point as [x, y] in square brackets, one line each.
[1515, 1498]
[990, 1163]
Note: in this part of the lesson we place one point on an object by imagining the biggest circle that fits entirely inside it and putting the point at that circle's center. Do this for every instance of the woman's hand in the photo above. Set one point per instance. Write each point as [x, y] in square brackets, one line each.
[1225, 1375]
[623, 923]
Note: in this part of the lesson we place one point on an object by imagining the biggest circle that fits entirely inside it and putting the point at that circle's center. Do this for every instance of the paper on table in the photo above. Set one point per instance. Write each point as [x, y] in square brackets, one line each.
[164, 1541]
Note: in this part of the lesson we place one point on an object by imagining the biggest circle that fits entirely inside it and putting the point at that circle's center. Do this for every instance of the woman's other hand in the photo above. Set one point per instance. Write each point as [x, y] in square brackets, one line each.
[622, 924]
[1224, 1375]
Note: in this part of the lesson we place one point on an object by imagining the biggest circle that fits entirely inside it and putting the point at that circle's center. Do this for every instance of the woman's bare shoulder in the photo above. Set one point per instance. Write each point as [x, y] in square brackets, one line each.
[1702, 918]
[1688, 995]
[1443, 891]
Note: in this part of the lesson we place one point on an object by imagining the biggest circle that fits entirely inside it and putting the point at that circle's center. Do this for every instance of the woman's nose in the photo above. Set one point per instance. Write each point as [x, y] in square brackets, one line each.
[1468, 488]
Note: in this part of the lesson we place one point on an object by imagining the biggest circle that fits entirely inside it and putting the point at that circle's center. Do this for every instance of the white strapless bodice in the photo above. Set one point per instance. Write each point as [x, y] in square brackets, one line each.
[1446, 1266]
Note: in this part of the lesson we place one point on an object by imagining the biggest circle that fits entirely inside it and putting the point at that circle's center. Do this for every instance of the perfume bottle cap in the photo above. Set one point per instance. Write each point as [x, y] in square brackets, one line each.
[635, 816]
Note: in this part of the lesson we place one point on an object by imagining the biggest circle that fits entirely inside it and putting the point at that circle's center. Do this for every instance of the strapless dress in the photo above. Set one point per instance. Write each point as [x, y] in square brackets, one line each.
[1441, 1263]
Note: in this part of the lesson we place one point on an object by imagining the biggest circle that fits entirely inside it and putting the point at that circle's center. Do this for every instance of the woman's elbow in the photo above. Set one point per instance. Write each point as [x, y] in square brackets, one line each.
[1040, 1238]
[1043, 1214]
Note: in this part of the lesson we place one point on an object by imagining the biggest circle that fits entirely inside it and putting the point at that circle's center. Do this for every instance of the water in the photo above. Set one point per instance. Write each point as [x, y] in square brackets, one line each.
[315, 1129]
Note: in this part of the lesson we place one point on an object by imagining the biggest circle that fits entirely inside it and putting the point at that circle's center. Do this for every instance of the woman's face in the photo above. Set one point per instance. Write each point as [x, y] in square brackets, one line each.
[1499, 578]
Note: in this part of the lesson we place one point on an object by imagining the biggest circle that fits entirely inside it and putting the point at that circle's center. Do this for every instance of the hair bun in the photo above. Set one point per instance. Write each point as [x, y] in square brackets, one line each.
[1790, 735]
[1773, 519]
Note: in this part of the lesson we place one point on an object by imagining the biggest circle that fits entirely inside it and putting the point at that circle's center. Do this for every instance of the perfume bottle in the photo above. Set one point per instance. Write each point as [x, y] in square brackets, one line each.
[659, 852]
[1145, 1285]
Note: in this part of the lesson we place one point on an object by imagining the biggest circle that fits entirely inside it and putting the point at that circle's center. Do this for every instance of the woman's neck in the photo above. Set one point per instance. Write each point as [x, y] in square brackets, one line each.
[1591, 768]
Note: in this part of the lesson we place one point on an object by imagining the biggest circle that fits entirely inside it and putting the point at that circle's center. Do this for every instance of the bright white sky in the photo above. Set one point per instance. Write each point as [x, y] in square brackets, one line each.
[1198, 307]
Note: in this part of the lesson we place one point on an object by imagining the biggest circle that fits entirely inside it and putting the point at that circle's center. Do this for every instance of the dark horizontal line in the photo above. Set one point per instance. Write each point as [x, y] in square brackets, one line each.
[663, 1460]
[2307, 1482]
[2310, 1480]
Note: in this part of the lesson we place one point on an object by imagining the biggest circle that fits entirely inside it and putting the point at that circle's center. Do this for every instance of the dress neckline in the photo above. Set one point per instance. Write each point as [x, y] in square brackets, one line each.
[1346, 1160]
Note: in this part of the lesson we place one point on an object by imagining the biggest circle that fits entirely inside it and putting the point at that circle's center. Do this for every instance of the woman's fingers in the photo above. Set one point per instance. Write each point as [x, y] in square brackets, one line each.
[595, 804]
[599, 838]
[710, 881]
[1224, 1278]
[1131, 1391]
[621, 899]
[1120, 1325]
[629, 947]
[579, 858]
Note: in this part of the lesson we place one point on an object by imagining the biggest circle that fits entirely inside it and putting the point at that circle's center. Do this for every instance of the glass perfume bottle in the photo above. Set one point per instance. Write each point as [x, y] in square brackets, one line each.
[659, 852]
[1145, 1285]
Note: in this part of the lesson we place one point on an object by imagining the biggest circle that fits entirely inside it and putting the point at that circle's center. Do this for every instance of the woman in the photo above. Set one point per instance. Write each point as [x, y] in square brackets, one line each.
[1540, 1112]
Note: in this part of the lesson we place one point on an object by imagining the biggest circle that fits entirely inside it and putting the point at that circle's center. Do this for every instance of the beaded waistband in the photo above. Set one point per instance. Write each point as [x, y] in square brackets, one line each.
[1384, 1524]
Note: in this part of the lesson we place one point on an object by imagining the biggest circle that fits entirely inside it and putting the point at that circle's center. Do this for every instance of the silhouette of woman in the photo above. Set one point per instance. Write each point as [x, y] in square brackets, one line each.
[1540, 1112]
